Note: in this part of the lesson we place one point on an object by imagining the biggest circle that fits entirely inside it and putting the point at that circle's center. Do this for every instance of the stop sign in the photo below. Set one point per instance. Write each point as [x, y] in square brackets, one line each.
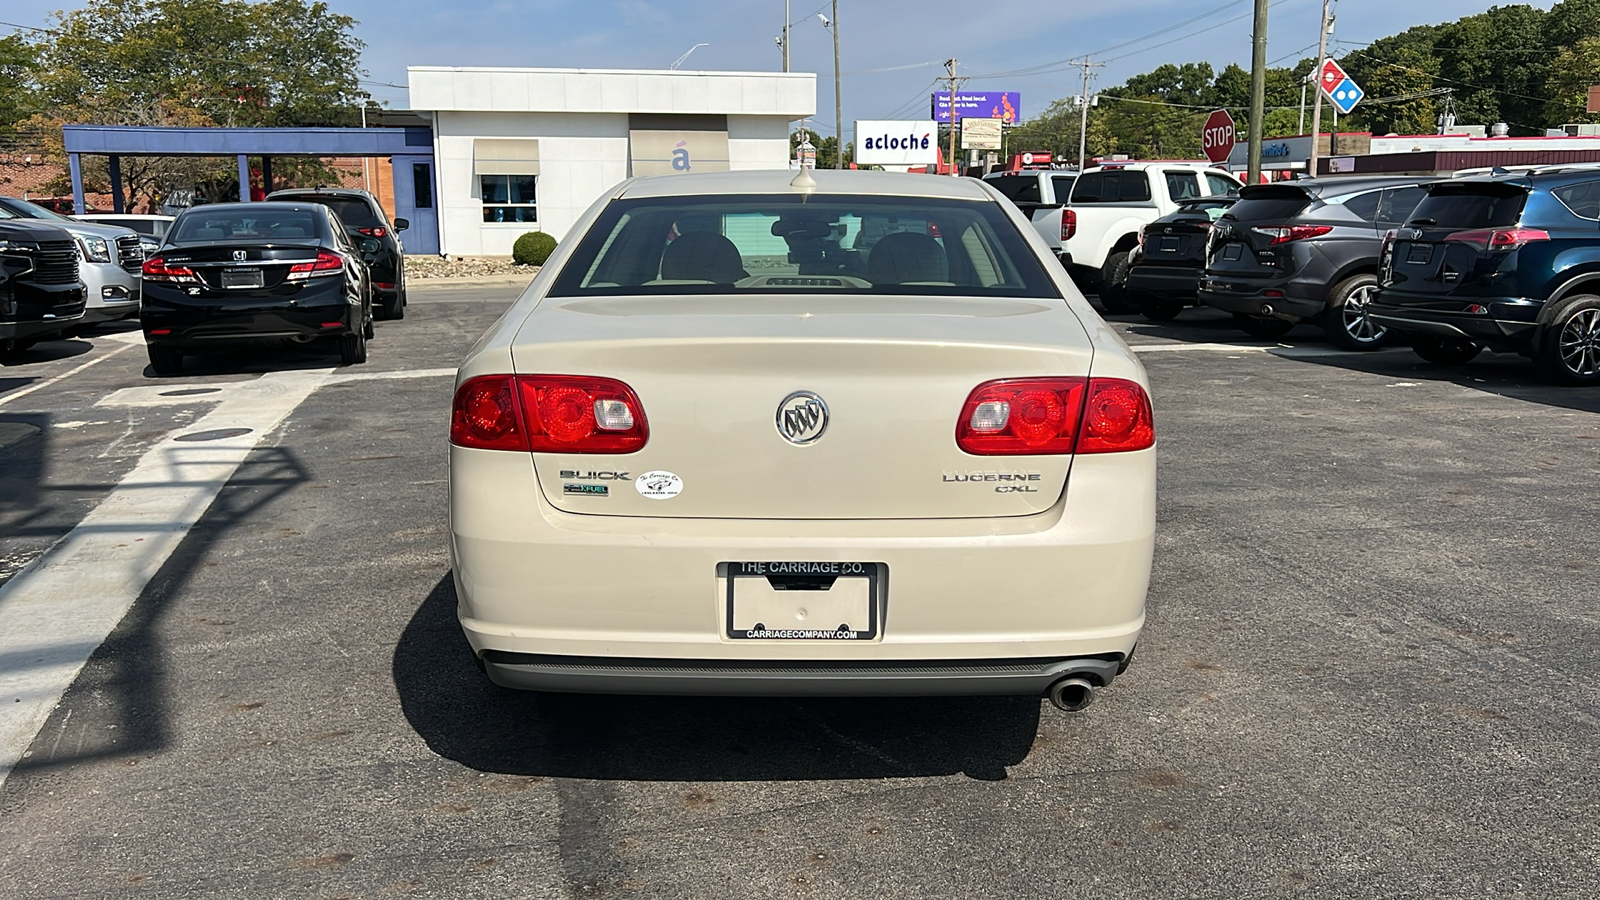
[1217, 138]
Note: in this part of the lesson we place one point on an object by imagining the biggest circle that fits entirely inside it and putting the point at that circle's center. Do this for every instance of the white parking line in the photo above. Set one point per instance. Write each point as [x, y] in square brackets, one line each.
[61, 607]
[57, 610]
[67, 374]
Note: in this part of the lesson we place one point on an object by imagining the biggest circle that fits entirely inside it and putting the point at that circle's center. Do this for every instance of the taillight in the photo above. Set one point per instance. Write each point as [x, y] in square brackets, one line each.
[156, 269]
[379, 231]
[1499, 239]
[1283, 234]
[1069, 224]
[327, 263]
[1048, 416]
[548, 414]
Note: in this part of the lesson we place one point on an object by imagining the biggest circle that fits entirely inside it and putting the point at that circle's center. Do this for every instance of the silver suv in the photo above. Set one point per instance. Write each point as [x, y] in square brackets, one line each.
[110, 260]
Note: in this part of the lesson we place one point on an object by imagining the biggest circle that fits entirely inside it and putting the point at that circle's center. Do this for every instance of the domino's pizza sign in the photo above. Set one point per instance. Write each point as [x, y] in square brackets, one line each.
[1340, 88]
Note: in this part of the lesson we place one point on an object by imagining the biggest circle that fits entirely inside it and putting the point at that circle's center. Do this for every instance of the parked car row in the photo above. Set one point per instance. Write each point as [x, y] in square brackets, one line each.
[215, 277]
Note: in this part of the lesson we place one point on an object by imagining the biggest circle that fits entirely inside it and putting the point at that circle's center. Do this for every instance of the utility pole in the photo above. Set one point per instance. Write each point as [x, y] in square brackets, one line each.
[838, 95]
[1083, 111]
[1258, 90]
[786, 35]
[1323, 26]
[954, 169]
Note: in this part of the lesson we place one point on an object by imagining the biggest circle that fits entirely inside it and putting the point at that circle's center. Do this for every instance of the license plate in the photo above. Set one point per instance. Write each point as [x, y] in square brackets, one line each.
[1169, 245]
[1230, 252]
[1419, 254]
[241, 278]
[803, 601]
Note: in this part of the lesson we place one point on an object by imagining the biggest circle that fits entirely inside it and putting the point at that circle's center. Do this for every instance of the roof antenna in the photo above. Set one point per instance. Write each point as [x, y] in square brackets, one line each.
[804, 181]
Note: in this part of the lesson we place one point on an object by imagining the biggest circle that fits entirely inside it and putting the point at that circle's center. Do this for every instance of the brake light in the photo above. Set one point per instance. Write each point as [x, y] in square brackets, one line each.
[1488, 239]
[1069, 224]
[156, 269]
[379, 231]
[327, 263]
[1283, 234]
[549, 414]
[1048, 416]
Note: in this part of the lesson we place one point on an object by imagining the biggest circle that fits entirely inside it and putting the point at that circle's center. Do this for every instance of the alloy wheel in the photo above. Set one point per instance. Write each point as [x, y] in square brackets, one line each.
[1356, 318]
[1579, 344]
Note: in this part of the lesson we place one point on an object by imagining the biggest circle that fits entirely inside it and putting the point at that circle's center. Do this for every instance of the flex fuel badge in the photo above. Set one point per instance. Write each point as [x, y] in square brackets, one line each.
[659, 485]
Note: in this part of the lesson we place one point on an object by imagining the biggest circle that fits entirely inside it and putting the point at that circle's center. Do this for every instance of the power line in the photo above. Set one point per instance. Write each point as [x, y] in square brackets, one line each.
[1060, 64]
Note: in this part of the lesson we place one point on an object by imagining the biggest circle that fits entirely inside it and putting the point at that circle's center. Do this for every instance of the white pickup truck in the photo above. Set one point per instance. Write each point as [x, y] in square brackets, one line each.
[1041, 194]
[1109, 206]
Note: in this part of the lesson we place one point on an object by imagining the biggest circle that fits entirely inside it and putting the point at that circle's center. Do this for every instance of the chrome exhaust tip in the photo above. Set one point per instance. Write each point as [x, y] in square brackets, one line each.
[1072, 694]
[1266, 309]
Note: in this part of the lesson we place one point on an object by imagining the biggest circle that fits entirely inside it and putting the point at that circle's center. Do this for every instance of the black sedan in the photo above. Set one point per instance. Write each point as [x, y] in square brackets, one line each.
[256, 273]
[1164, 270]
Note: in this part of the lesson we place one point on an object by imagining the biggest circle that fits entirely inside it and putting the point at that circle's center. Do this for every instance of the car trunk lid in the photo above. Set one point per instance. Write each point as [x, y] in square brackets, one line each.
[712, 373]
[1445, 246]
[1245, 243]
[240, 268]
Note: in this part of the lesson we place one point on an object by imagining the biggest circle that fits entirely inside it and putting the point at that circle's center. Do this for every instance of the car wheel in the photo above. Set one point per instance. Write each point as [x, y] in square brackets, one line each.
[14, 347]
[1347, 321]
[353, 348]
[395, 307]
[1567, 348]
[1445, 351]
[1261, 327]
[1158, 309]
[1114, 284]
[370, 331]
[164, 360]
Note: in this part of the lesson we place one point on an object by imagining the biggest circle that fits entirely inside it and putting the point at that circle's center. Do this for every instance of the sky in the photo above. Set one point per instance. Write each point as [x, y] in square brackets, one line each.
[891, 52]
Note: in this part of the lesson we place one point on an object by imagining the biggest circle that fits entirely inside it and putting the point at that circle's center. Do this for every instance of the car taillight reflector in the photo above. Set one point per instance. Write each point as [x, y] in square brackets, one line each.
[374, 232]
[327, 263]
[1283, 234]
[156, 269]
[1499, 239]
[549, 414]
[1116, 417]
[1069, 224]
[1050, 416]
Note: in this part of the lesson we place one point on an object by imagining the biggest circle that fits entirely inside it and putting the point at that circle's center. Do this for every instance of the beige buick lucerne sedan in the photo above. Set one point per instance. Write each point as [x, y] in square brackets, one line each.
[828, 433]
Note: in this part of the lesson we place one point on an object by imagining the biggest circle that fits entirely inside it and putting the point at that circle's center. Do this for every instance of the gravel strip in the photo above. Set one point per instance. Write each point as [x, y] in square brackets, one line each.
[464, 267]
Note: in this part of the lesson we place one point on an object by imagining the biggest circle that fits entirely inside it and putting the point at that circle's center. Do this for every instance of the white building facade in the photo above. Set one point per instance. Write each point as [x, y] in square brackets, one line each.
[521, 150]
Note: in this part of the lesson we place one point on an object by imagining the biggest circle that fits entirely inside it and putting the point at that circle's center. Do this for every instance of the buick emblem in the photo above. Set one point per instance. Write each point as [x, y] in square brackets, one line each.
[239, 255]
[802, 417]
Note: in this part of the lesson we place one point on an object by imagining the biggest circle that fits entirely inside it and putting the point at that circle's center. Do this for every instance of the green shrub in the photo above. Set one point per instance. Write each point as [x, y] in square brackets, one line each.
[533, 248]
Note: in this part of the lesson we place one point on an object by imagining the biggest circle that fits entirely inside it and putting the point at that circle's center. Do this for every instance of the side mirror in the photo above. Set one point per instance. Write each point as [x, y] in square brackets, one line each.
[401, 224]
[370, 246]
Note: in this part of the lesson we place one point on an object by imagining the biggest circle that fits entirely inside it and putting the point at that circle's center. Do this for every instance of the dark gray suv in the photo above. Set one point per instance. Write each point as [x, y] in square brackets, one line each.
[1307, 251]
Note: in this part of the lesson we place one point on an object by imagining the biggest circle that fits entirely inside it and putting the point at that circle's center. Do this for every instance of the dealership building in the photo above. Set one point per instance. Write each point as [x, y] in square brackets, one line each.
[519, 150]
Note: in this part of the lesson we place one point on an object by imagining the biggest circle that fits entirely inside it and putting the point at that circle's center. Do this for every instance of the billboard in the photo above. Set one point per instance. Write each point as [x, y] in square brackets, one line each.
[897, 142]
[1003, 105]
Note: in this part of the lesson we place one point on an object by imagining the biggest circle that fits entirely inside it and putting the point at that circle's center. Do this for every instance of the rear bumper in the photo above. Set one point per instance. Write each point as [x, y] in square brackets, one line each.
[939, 678]
[992, 605]
[1164, 281]
[171, 319]
[1504, 323]
[1288, 298]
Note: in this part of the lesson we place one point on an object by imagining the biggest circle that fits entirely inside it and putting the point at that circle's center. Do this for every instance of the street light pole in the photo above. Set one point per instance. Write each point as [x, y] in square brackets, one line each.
[838, 95]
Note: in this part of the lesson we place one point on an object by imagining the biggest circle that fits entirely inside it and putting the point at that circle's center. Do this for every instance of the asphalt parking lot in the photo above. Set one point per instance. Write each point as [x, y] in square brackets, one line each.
[1368, 671]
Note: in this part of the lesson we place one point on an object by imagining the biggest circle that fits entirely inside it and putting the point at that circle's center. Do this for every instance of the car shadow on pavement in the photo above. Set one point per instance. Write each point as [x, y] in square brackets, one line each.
[1503, 374]
[254, 360]
[463, 717]
[45, 351]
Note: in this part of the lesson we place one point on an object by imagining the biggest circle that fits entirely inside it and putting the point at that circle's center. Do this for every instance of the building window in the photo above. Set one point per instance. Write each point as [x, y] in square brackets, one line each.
[509, 198]
[422, 185]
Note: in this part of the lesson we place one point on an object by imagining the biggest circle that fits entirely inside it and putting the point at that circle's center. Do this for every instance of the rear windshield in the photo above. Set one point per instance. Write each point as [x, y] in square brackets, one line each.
[205, 224]
[1470, 206]
[793, 243]
[1112, 187]
[1268, 205]
[1017, 188]
[353, 212]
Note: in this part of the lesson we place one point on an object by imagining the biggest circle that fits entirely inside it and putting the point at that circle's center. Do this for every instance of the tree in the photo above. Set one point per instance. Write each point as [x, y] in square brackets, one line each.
[277, 62]
[18, 91]
[1575, 69]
